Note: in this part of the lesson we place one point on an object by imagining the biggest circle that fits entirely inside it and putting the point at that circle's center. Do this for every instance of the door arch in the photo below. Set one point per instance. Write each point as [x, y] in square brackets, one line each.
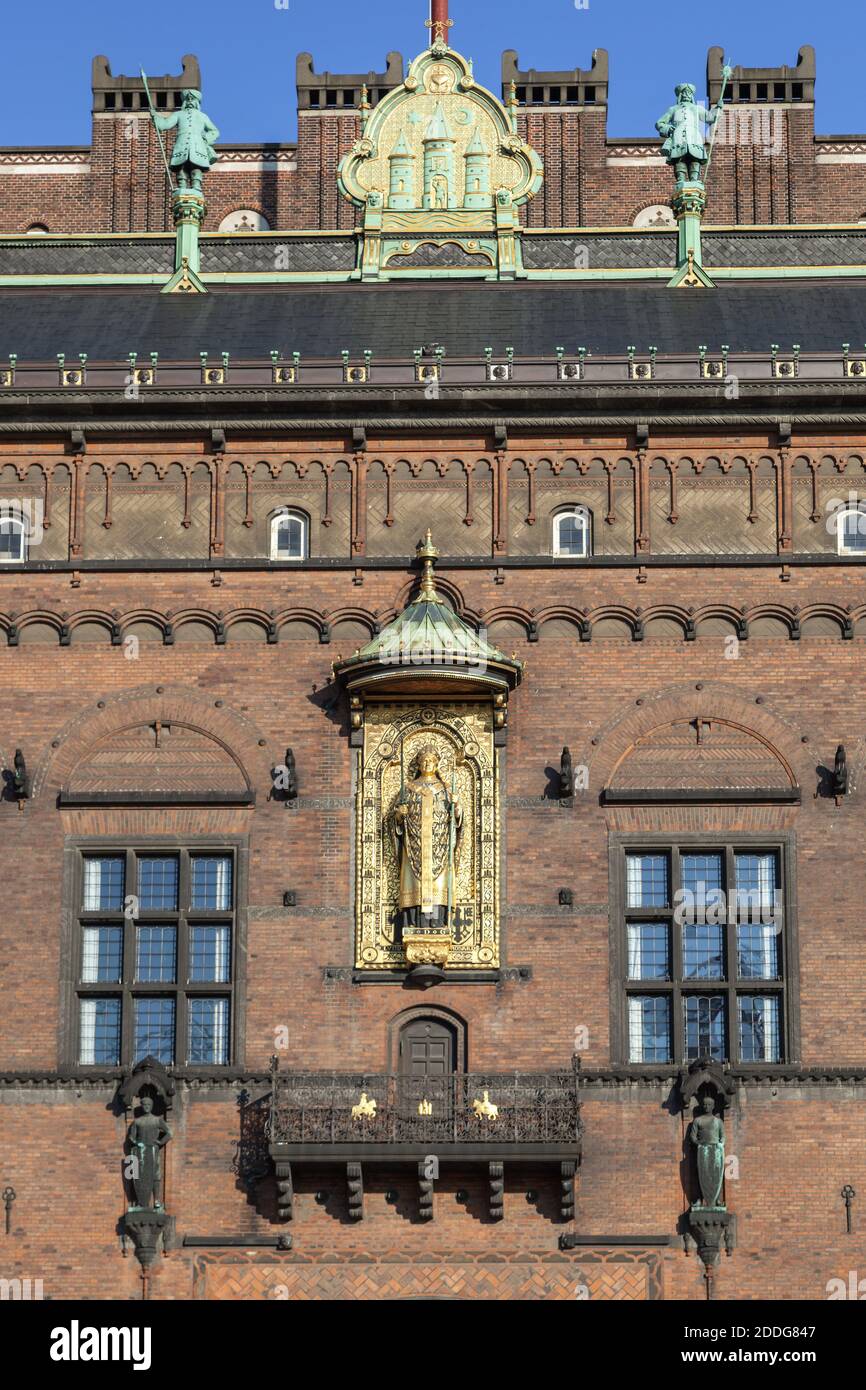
[426, 1041]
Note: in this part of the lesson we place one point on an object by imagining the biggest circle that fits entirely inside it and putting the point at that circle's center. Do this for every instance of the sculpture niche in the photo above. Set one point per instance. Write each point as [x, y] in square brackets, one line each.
[427, 823]
[147, 1136]
[146, 1219]
[707, 1134]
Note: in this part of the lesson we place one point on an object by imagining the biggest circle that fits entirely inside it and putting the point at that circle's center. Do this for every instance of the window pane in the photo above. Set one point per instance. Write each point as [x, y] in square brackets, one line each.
[154, 1030]
[209, 953]
[703, 951]
[157, 885]
[760, 1038]
[11, 540]
[705, 1030]
[759, 896]
[646, 880]
[290, 538]
[702, 874]
[758, 952]
[209, 1032]
[572, 535]
[99, 1033]
[103, 884]
[853, 530]
[101, 955]
[211, 888]
[649, 1028]
[648, 951]
[156, 958]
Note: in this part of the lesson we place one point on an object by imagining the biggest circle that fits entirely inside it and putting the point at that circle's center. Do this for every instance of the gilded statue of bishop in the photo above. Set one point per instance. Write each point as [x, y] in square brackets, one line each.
[427, 824]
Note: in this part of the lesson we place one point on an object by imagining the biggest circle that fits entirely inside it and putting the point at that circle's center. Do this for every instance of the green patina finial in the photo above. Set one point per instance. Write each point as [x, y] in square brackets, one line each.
[428, 555]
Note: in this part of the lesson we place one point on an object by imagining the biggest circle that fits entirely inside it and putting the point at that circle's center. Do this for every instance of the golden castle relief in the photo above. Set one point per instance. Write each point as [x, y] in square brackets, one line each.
[439, 154]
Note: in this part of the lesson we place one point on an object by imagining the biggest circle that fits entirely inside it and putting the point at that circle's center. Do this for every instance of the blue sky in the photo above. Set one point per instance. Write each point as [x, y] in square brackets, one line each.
[247, 51]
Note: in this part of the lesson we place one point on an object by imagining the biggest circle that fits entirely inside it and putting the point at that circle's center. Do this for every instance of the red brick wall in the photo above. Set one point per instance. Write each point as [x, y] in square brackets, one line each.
[126, 188]
[797, 1144]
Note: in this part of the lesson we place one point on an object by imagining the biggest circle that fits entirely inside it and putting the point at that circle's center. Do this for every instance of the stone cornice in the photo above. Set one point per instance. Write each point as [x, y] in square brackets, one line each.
[589, 1079]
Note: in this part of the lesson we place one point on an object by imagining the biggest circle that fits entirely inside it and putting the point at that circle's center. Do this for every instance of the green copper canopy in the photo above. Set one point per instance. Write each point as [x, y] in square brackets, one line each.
[429, 642]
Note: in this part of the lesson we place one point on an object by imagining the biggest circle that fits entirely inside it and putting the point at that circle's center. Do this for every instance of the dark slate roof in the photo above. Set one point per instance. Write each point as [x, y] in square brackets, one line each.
[317, 255]
[155, 255]
[36, 255]
[732, 247]
[785, 248]
[600, 251]
[252, 255]
[393, 319]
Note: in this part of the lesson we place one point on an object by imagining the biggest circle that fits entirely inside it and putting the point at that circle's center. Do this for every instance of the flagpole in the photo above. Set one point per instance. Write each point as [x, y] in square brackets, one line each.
[727, 73]
[158, 135]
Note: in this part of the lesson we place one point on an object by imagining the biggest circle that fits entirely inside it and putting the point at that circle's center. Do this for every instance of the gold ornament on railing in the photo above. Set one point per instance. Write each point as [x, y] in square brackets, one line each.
[485, 1109]
[365, 1109]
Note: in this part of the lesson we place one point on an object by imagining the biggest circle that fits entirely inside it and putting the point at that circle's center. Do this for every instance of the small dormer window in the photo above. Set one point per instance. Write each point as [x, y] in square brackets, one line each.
[851, 531]
[13, 539]
[572, 533]
[289, 535]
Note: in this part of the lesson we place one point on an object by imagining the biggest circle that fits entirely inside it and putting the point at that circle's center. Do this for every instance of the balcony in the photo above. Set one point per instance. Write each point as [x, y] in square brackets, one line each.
[380, 1118]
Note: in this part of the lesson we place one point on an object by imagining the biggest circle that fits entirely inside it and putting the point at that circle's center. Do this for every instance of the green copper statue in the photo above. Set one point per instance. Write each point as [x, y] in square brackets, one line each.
[683, 128]
[193, 152]
[148, 1135]
[708, 1135]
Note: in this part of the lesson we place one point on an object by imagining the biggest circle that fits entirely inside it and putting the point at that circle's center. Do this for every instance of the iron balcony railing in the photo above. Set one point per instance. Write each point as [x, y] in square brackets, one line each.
[475, 1107]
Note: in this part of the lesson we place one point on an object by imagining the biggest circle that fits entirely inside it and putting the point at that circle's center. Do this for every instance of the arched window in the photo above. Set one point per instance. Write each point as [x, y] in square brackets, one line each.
[245, 220]
[290, 535]
[572, 532]
[13, 538]
[37, 229]
[657, 215]
[851, 531]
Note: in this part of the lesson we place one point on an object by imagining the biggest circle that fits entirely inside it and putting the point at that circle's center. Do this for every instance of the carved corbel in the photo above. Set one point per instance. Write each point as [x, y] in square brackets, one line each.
[566, 1183]
[497, 1191]
[355, 1191]
[149, 1231]
[425, 1191]
[840, 774]
[285, 1190]
[710, 1231]
[566, 775]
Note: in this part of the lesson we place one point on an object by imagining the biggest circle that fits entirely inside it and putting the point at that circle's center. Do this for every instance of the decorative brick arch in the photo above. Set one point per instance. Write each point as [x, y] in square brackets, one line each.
[177, 705]
[714, 702]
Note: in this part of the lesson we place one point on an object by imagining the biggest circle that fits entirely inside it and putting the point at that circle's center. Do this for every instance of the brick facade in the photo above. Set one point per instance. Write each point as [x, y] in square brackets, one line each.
[769, 166]
[702, 662]
[798, 1140]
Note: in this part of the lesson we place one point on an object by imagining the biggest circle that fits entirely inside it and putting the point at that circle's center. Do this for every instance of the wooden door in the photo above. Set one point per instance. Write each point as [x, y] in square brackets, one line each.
[427, 1049]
